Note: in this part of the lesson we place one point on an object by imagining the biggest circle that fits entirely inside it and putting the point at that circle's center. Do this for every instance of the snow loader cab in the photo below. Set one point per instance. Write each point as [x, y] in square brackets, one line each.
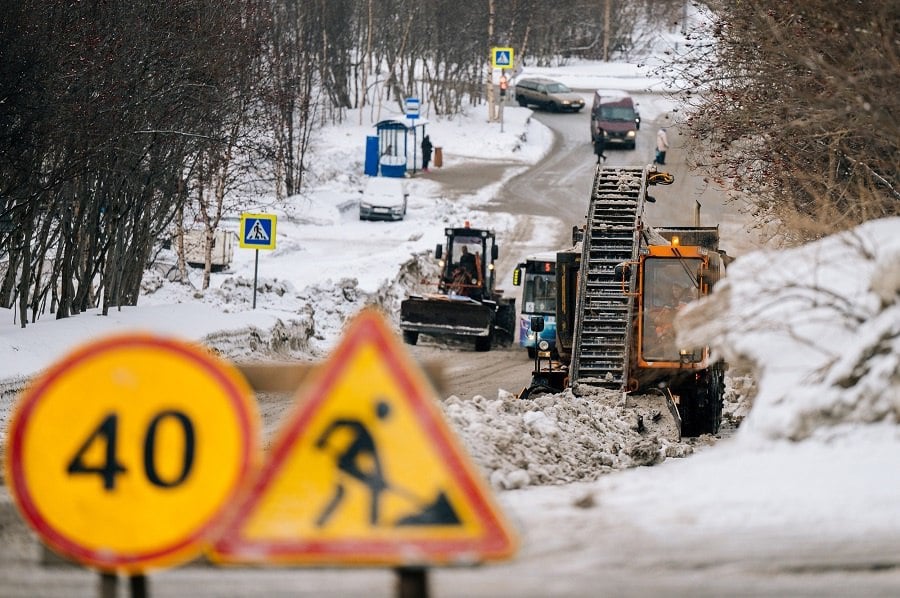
[671, 276]
[467, 303]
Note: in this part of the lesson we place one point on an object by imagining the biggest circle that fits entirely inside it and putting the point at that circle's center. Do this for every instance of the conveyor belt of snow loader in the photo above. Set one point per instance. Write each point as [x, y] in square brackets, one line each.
[604, 315]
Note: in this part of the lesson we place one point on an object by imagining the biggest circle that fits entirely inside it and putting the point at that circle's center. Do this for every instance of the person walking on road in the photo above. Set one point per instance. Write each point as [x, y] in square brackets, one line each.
[662, 146]
[426, 152]
[600, 145]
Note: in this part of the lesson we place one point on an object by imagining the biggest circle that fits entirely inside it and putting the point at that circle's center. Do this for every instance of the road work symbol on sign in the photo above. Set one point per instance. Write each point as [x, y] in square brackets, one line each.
[366, 471]
[257, 231]
[360, 462]
[126, 454]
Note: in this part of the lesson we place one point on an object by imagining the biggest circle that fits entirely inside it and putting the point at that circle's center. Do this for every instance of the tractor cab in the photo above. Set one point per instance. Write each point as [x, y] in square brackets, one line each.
[465, 271]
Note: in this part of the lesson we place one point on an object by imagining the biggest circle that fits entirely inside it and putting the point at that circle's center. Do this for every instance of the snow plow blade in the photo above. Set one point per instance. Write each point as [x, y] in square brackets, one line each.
[442, 315]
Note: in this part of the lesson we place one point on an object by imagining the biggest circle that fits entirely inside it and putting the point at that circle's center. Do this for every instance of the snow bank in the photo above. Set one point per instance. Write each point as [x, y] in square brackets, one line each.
[820, 327]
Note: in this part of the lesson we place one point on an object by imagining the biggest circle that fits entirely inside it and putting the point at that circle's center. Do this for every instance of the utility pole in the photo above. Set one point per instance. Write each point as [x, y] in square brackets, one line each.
[490, 69]
[606, 8]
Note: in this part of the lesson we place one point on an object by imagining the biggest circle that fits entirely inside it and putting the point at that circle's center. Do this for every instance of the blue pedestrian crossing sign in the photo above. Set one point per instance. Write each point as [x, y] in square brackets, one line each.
[502, 58]
[257, 231]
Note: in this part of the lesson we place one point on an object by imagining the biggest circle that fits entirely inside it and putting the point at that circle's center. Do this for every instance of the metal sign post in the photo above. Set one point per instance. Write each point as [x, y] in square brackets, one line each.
[503, 59]
[257, 232]
[412, 113]
[255, 276]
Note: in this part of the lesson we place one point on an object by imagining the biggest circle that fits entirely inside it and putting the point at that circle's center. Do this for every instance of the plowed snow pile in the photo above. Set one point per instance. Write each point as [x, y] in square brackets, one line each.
[554, 439]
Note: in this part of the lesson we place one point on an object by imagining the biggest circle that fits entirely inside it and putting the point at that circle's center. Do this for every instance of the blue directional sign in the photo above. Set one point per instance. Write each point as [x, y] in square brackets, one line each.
[502, 58]
[258, 231]
[412, 108]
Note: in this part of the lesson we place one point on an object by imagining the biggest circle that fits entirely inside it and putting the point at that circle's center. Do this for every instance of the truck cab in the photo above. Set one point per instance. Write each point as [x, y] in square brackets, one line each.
[614, 115]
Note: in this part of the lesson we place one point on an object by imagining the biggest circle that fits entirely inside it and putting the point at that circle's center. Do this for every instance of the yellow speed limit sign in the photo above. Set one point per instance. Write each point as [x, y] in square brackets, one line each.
[125, 454]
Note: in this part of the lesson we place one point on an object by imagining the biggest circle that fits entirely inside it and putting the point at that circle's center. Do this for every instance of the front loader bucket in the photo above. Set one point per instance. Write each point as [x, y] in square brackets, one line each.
[445, 316]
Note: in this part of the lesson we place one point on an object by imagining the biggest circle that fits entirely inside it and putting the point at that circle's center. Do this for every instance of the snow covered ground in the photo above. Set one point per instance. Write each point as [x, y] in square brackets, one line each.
[819, 325]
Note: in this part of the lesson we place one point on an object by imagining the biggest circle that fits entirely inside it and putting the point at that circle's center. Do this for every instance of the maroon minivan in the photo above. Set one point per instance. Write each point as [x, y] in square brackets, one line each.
[614, 113]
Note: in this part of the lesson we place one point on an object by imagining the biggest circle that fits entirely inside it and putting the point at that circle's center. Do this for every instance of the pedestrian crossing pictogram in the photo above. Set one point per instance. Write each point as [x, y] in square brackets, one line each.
[366, 471]
[502, 58]
[258, 231]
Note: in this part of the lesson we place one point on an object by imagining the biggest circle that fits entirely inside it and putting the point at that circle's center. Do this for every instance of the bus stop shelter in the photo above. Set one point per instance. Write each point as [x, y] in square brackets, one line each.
[388, 153]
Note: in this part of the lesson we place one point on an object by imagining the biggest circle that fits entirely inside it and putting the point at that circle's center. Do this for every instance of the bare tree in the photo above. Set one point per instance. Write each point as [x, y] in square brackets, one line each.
[795, 106]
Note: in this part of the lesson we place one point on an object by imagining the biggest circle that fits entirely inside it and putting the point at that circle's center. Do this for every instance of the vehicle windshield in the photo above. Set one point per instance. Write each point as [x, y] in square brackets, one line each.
[616, 113]
[557, 88]
[539, 294]
[466, 254]
[669, 285]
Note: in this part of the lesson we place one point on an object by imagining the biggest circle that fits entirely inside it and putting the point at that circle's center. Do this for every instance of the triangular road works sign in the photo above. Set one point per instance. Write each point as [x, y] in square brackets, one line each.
[366, 471]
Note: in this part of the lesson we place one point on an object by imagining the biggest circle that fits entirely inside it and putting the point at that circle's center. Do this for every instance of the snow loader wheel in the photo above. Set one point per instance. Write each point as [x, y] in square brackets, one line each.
[410, 337]
[701, 409]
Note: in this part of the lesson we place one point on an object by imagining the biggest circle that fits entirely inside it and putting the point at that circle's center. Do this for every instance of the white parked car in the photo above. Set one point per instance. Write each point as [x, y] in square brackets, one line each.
[384, 198]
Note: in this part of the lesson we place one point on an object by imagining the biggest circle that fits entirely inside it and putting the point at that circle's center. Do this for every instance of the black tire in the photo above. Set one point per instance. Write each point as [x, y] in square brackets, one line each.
[701, 403]
[505, 324]
[410, 337]
[483, 343]
[522, 102]
[532, 352]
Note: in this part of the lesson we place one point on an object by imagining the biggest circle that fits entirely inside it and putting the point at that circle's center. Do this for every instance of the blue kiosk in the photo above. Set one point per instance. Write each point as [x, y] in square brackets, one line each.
[387, 153]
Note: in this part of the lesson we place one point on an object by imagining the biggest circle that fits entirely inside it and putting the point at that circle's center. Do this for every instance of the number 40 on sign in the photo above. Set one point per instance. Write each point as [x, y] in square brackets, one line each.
[124, 455]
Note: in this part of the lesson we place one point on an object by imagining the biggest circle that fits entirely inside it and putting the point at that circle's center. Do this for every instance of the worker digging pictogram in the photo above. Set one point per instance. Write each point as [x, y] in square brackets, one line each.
[360, 462]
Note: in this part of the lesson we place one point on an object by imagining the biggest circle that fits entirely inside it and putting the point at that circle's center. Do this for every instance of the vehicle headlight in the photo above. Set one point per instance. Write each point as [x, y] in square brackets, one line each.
[365, 205]
[543, 345]
[631, 134]
[566, 102]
